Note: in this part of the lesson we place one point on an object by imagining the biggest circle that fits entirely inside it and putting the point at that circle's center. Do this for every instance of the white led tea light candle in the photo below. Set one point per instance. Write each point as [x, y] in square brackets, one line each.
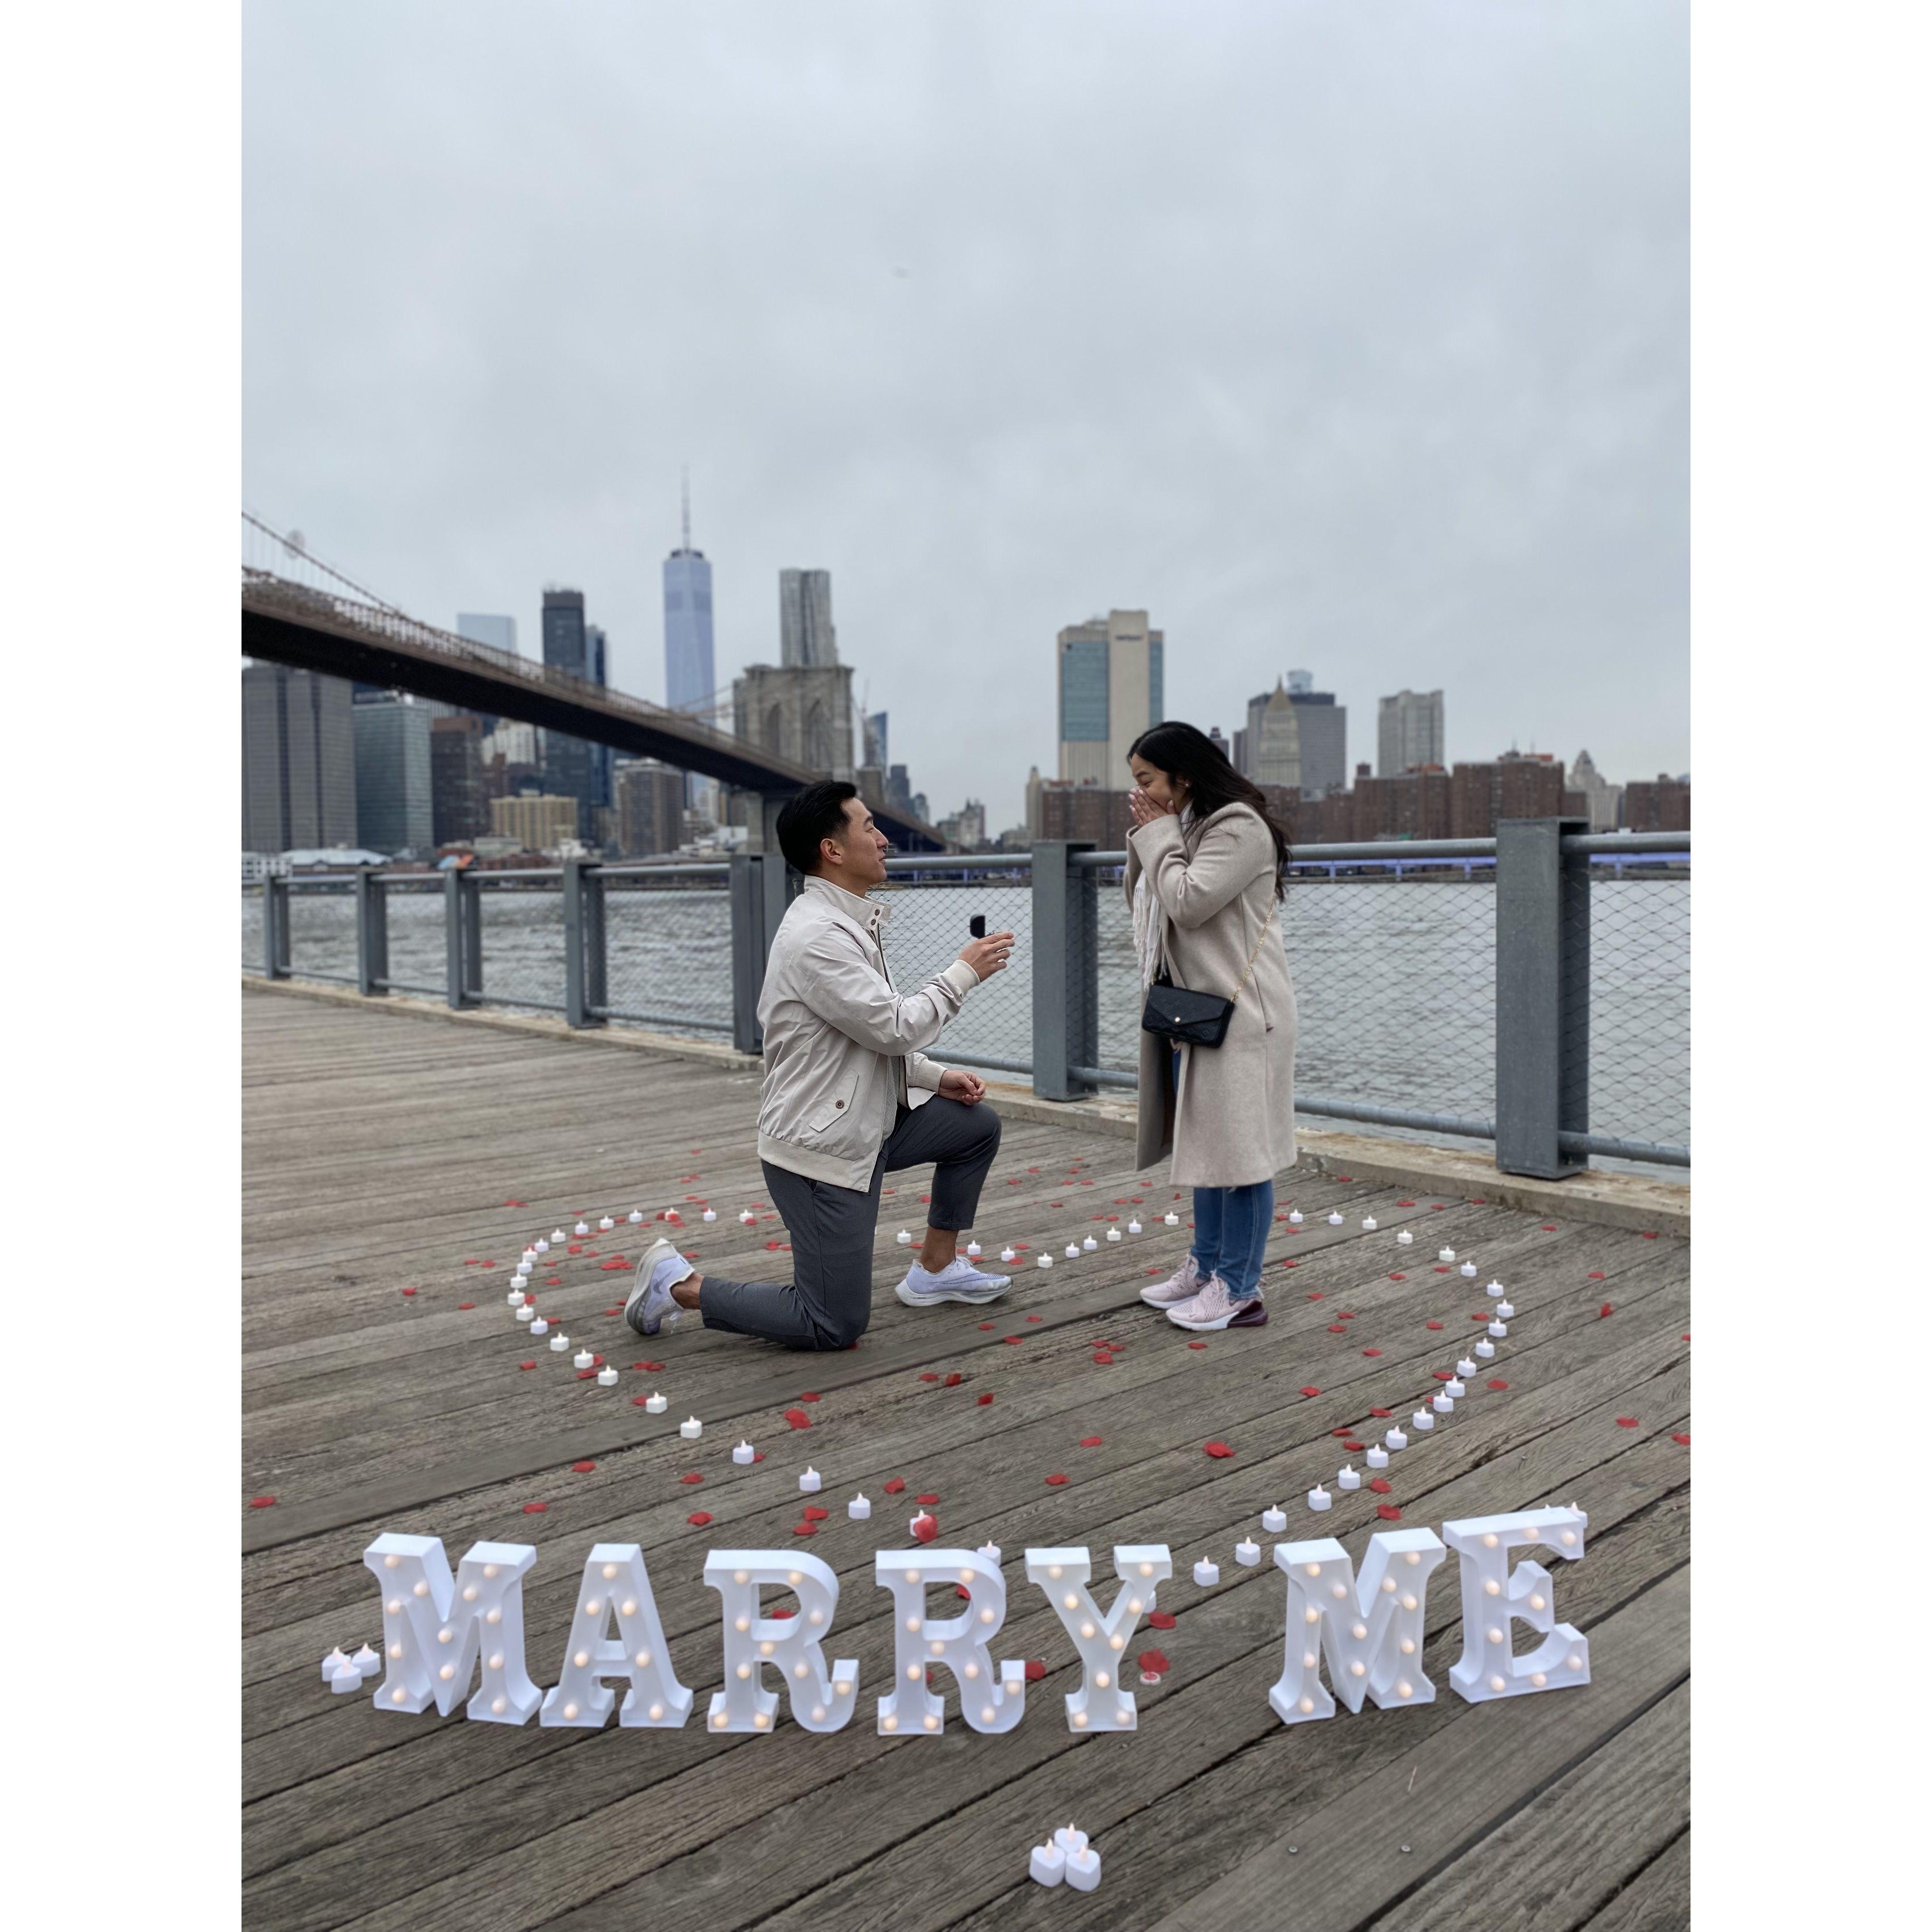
[1370, 1629]
[1493, 1594]
[1089, 1245]
[821, 1699]
[1100, 1704]
[973, 1251]
[1113, 1233]
[744, 1454]
[436, 1628]
[991, 1700]
[616, 1585]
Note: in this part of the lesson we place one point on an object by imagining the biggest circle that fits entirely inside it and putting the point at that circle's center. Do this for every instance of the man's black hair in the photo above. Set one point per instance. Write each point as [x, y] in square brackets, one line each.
[814, 813]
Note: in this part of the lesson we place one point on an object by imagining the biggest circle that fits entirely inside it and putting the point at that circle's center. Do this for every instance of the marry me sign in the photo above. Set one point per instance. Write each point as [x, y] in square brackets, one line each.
[440, 1632]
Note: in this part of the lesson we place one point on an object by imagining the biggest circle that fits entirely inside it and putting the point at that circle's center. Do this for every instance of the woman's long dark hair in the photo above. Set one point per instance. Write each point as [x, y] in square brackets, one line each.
[1184, 752]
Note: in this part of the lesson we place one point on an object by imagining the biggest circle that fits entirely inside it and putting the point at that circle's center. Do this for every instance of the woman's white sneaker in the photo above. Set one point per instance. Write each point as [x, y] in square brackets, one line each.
[1181, 1285]
[1214, 1308]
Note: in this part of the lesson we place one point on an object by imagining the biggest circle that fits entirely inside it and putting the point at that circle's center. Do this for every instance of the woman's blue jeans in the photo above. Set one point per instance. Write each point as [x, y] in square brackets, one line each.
[1231, 1231]
[1231, 1228]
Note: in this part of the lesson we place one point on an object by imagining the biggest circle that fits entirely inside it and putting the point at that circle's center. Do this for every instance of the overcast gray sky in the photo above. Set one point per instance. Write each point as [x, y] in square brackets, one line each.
[1347, 336]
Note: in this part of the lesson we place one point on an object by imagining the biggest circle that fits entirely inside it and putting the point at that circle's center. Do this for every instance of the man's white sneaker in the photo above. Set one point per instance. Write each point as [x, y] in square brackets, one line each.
[959, 1280]
[1181, 1285]
[650, 1306]
[1214, 1308]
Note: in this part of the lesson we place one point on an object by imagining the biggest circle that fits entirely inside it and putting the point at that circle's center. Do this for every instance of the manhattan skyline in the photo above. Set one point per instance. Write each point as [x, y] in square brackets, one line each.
[1369, 353]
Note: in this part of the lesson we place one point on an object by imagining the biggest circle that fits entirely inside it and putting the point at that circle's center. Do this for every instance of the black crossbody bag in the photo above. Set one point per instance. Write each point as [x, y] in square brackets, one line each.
[1189, 1019]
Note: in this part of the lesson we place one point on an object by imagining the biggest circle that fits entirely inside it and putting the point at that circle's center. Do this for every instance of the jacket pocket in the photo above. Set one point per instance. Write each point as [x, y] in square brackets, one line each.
[833, 1108]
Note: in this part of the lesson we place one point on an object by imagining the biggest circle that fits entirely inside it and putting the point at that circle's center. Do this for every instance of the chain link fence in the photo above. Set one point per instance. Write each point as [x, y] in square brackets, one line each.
[667, 943]
[1639, 1018]
[928, 923]
[1393, 962]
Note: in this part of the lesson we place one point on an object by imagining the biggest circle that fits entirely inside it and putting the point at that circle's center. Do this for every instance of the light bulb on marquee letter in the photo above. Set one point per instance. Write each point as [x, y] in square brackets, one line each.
[434, 1629]
[1100, 1704]
[1493, 1594]
[1371, 1629]
[616, 1583]
[989, 1700]
[819, 1701]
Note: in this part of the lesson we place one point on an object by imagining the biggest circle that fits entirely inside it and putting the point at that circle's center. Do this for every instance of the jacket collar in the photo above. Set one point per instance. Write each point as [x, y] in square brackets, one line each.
[869, 916]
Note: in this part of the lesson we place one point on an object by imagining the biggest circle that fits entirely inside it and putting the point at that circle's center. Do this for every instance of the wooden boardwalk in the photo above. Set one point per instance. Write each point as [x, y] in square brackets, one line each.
[383, 1154]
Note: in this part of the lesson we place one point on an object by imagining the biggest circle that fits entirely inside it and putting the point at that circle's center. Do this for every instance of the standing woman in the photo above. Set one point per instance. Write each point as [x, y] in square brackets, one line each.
[1204, 864]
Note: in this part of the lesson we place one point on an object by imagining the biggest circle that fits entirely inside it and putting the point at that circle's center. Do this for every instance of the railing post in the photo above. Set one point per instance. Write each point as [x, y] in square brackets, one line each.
[586, 993]
[277, 956]
[1065, 970]
[762, 887]
[463, 937]
[1543, 997]
[372, 934]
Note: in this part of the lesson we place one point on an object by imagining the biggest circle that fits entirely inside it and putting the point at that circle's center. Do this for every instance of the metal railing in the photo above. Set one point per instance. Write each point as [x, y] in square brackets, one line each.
[1531, 990]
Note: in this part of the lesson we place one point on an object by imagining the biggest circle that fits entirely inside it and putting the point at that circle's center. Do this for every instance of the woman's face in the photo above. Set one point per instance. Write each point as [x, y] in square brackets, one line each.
[1169, 794]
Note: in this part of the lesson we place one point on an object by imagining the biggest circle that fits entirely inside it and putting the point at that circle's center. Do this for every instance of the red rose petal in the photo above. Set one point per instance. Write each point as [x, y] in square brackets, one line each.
[805, 1529]
[813, 1513]
[925, 1528]
[584, 1374]
[810, 1395]
[1053, 1482]
[692, 1476]
[1161, 1619]
[955, 1379]
[986, 1325]
[1316, 1296]
[1648, 1235]
[531, 1365]
[1311, 1391]
[1036, 1318]
[1013, 1341]
[261, 1502]
[408, 1291]
[1549, 1227]
[927, 1501]
[1381, 1485]
[1035, 1670]
[1398, 1277]
[1217, 1450]
[1627, 1422]
[1105, 1361]
[1341, 1434]
[930, 1375]
[582, 1468]
[1432, 1324]
[462, 1305]
[1371, 1352]
[982, 1400]
[1606, 1310]
[1353, 1448]
[1444, 1375]
[893, 1487]
[1676, 1435]
[798, 1418]
[1596, 1274]
[1383, 1413]
[1389, 1512]
[1441, 1269]
[1152, 1663]
[1197, 1345]
[1495, 1382]
[535, 1509]
[1090, 1442]
[1338, 1328]
[700, 1517]
[1405, 1204]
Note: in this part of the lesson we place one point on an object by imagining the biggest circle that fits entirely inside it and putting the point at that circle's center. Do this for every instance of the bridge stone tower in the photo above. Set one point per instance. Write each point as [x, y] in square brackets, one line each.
[799, 712]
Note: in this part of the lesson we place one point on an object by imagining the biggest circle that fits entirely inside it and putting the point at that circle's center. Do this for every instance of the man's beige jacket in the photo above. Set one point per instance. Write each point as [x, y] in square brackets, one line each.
[842, 1046]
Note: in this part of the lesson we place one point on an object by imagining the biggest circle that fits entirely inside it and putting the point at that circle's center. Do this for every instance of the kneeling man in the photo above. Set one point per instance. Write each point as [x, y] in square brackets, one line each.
[841, 1059]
